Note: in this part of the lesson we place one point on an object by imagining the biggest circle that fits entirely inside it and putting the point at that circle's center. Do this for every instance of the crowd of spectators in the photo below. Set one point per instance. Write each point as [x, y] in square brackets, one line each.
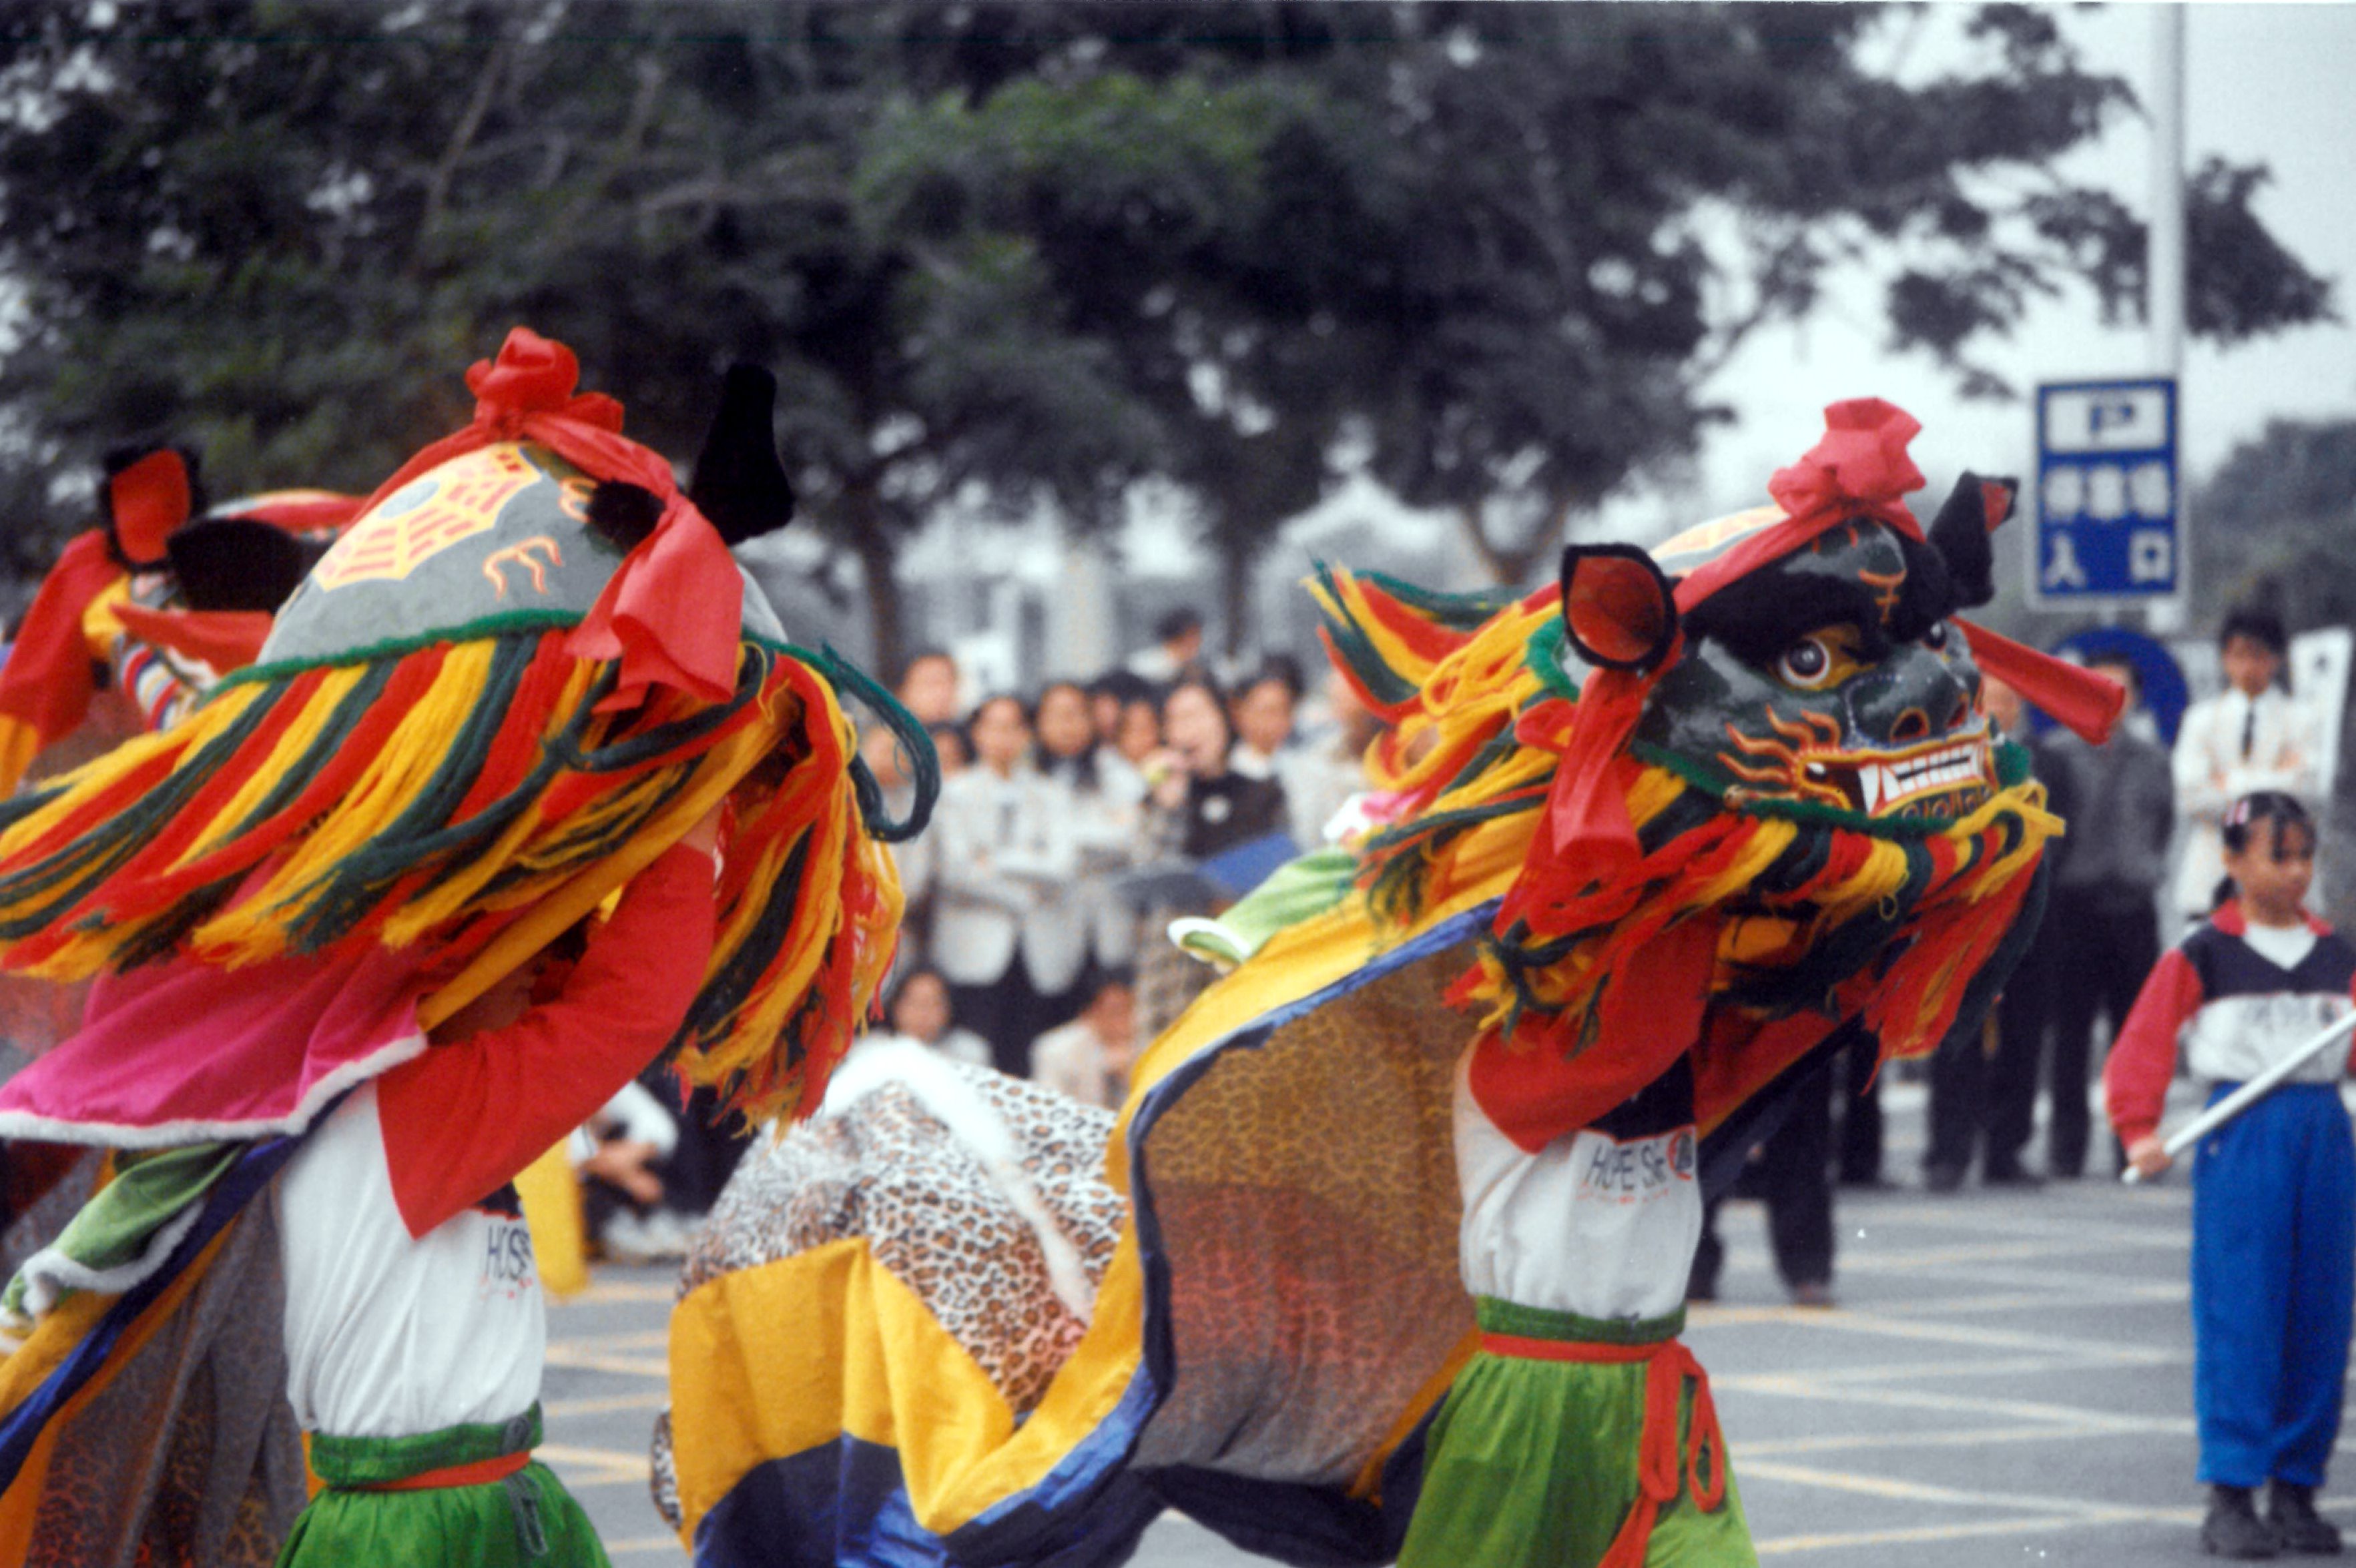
[1076, 822]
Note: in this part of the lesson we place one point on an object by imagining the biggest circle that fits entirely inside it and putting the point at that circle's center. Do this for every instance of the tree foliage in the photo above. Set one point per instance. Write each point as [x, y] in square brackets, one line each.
[1029, 250]
[2278, 520]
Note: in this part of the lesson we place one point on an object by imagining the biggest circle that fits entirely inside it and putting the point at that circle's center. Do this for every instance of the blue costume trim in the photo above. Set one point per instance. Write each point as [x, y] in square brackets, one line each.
[226, 1199]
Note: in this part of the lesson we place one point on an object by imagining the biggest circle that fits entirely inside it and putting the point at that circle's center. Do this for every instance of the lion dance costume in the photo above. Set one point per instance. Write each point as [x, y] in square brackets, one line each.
[492, 710]
[139, 617]
[1412, 1194]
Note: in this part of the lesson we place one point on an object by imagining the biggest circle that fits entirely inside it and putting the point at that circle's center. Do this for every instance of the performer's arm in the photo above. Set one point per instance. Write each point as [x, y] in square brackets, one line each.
[2143, 1059]
[464, 1118]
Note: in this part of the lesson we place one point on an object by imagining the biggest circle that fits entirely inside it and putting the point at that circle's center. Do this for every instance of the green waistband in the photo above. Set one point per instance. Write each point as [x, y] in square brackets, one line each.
[373, 1461]
[1501, 1316]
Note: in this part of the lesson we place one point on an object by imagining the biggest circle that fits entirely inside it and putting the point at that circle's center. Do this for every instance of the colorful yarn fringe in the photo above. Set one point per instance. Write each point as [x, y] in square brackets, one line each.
[1453, 678]
[1480, 716]
[468, 795]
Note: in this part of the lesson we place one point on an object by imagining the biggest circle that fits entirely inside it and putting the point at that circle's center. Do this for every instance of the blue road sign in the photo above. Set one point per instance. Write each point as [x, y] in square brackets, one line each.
[2109, 519]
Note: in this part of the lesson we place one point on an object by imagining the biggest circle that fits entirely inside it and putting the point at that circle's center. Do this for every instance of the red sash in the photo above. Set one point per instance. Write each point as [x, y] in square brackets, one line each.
[479, 1472]
[1659, 1461]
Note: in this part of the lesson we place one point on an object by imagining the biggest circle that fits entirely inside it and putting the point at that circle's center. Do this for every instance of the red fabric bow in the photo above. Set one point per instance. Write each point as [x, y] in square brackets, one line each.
[1861, 469]
[672, 613]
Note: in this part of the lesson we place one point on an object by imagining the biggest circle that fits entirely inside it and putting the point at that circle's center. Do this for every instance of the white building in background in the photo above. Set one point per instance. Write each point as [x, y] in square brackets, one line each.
[1024, 601]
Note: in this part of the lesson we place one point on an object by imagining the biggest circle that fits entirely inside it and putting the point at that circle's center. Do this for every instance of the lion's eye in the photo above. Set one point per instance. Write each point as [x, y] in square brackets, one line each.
[1935, 639]
[1808, 662]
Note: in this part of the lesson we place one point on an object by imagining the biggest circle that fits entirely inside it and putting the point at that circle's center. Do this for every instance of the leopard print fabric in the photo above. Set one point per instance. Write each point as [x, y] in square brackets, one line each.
[887, 1169]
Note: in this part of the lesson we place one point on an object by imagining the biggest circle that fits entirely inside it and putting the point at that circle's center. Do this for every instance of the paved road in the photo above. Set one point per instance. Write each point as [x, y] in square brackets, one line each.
[2007, 1380]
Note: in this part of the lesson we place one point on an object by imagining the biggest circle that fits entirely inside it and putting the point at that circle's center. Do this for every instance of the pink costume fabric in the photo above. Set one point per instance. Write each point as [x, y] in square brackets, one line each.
[180, 1052]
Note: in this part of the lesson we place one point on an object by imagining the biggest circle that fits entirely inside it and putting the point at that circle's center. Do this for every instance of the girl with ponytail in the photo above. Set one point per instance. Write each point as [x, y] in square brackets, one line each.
[2274, 1199]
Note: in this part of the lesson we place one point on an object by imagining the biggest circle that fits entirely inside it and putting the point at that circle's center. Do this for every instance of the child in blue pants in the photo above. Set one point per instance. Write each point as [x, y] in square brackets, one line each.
[2273, 1201]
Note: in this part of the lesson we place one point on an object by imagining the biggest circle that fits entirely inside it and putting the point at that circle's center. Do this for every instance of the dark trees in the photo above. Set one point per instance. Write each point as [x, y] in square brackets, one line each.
[1034, 250]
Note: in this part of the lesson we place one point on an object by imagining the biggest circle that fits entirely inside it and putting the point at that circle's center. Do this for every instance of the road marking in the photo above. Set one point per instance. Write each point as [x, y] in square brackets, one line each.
[601, 1404]
[595, 1467]
[608, 1353]
[617, 1290]
[1800, 1386]
[2190, 1517]
[1898, 1490]
[2050, 1281]
[1961, 1438]
[1873, 1320]
[1991, 1366]
[622, 1339]
[628, 1366]
[1875, 1260]
[1783, 1546]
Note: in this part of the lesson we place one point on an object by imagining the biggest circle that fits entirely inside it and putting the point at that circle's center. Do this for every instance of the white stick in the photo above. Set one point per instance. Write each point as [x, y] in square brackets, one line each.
[2234, 1104]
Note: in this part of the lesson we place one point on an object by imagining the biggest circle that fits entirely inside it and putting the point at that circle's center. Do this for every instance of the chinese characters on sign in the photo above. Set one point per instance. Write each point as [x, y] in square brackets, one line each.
[2108, 522]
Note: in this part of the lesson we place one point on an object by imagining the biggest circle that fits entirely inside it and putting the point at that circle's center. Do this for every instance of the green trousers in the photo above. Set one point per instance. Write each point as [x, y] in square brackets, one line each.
[526, 1520]
[1533, 1462]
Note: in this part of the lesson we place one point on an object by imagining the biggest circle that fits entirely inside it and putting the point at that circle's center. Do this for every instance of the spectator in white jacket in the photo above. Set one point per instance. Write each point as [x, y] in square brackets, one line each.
[2255, 735]
[1006, 929]
[885, 760]
[1104, 798]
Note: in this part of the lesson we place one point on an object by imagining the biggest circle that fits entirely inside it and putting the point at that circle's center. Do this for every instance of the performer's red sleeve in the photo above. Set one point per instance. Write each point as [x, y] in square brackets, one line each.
[463, 1119]
[1651, 1014]
[2143, 1059]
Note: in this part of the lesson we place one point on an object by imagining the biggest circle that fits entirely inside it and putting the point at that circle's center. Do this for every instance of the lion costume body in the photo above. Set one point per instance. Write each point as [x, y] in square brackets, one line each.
[1669, 836]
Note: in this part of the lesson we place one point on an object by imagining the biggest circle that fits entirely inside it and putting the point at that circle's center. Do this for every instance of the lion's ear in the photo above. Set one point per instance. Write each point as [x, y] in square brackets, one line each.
[1974, 509]
[740, 485]
[1617, 609]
